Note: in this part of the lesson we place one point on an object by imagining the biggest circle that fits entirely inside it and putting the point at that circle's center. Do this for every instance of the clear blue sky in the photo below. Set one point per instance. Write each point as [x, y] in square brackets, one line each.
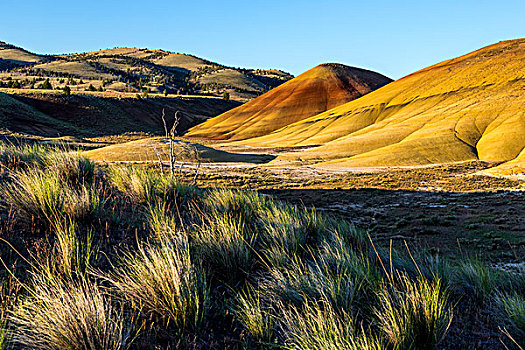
[392, 37]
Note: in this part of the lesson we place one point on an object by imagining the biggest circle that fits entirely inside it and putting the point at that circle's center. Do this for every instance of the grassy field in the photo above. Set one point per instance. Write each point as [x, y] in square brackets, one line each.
[122, 257]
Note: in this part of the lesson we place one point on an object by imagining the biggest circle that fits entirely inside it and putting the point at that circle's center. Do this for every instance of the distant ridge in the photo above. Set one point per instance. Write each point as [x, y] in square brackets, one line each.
[137, 70]
[321, 88]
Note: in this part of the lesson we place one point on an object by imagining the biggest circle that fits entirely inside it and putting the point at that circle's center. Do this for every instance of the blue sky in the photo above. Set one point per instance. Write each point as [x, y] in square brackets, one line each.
[393, 37]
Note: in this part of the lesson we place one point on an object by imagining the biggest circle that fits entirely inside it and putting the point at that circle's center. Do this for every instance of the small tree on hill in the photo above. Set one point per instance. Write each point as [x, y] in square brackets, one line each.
[165, 92]
[67, 90]
[91, 88]
[226, 96]
[46, 85]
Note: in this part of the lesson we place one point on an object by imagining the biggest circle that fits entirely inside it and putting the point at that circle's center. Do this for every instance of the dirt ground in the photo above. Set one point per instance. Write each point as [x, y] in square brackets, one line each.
[448, 209]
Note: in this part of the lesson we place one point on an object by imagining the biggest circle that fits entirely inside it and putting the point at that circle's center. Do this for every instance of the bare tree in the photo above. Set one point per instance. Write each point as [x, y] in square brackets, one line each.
[187, 150]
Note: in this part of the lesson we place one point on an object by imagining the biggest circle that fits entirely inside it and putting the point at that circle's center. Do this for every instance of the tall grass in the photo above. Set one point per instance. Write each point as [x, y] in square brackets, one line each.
[40, 196]
[476, 279]
[162, 281]
[73, 254]
[414, 314]
[254, 316]
[70, 167]
[162, 220]
[319, 326]
[147, 187]
[224, 245]
[244, 205]
[512, 308]
[16, 157]
[138, 185]
[62, 313]
[67, 166]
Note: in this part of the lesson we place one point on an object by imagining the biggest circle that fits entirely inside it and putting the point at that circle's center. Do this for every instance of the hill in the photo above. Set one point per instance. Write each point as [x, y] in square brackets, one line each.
[466, 108]
[135, 70]
[12, 56]
[143, 151]
[315, 91]
[53, 114]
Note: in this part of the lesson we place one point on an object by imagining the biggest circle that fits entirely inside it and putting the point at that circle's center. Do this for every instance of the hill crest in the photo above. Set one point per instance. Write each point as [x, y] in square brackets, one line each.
[314, 91]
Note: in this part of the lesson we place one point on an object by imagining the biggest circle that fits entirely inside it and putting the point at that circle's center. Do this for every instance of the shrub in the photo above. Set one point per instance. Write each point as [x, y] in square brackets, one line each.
[66, 90]
[61, 313]
[162, 280]
[46, 85]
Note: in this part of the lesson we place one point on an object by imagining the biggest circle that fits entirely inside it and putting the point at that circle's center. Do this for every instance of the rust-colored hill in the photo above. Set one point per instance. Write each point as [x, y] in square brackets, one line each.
[467, 108]
[315, 91]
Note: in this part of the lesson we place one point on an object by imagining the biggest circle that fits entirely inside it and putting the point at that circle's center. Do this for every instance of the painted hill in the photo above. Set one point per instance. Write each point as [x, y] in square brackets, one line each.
[135, 70]
[321, 88]
[143, 151]
[466, 108]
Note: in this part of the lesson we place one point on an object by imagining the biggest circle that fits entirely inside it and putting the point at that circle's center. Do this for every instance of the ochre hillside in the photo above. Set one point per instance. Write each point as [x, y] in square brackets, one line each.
[467, 108]
[315, 91]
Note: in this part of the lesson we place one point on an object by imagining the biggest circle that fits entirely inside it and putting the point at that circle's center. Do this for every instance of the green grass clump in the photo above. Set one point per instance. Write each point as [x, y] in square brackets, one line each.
[476, 279]
[512, 306]
[224, 245]
[161, 280]
[73, 253]
[61, 313]
[70, 167]
[162, 220]
[147, 187]
[319, 326]
[254, 316]
[413, 314]
[22, 156]
[242, 204]
[40, 196]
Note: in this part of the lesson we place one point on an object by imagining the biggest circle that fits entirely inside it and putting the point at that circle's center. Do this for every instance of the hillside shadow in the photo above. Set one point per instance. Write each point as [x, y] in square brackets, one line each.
[488, 224]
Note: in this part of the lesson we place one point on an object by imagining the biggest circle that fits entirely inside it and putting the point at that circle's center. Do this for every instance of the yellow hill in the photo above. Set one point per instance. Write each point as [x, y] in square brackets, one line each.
[467, 108]
[312, 92]
[144, 151]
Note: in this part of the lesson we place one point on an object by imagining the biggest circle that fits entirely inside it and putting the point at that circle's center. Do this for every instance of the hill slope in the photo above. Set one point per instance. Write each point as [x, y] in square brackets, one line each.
[315, 91]
[466, 108]
[51, 114]
[132, 69]
[12, 56]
